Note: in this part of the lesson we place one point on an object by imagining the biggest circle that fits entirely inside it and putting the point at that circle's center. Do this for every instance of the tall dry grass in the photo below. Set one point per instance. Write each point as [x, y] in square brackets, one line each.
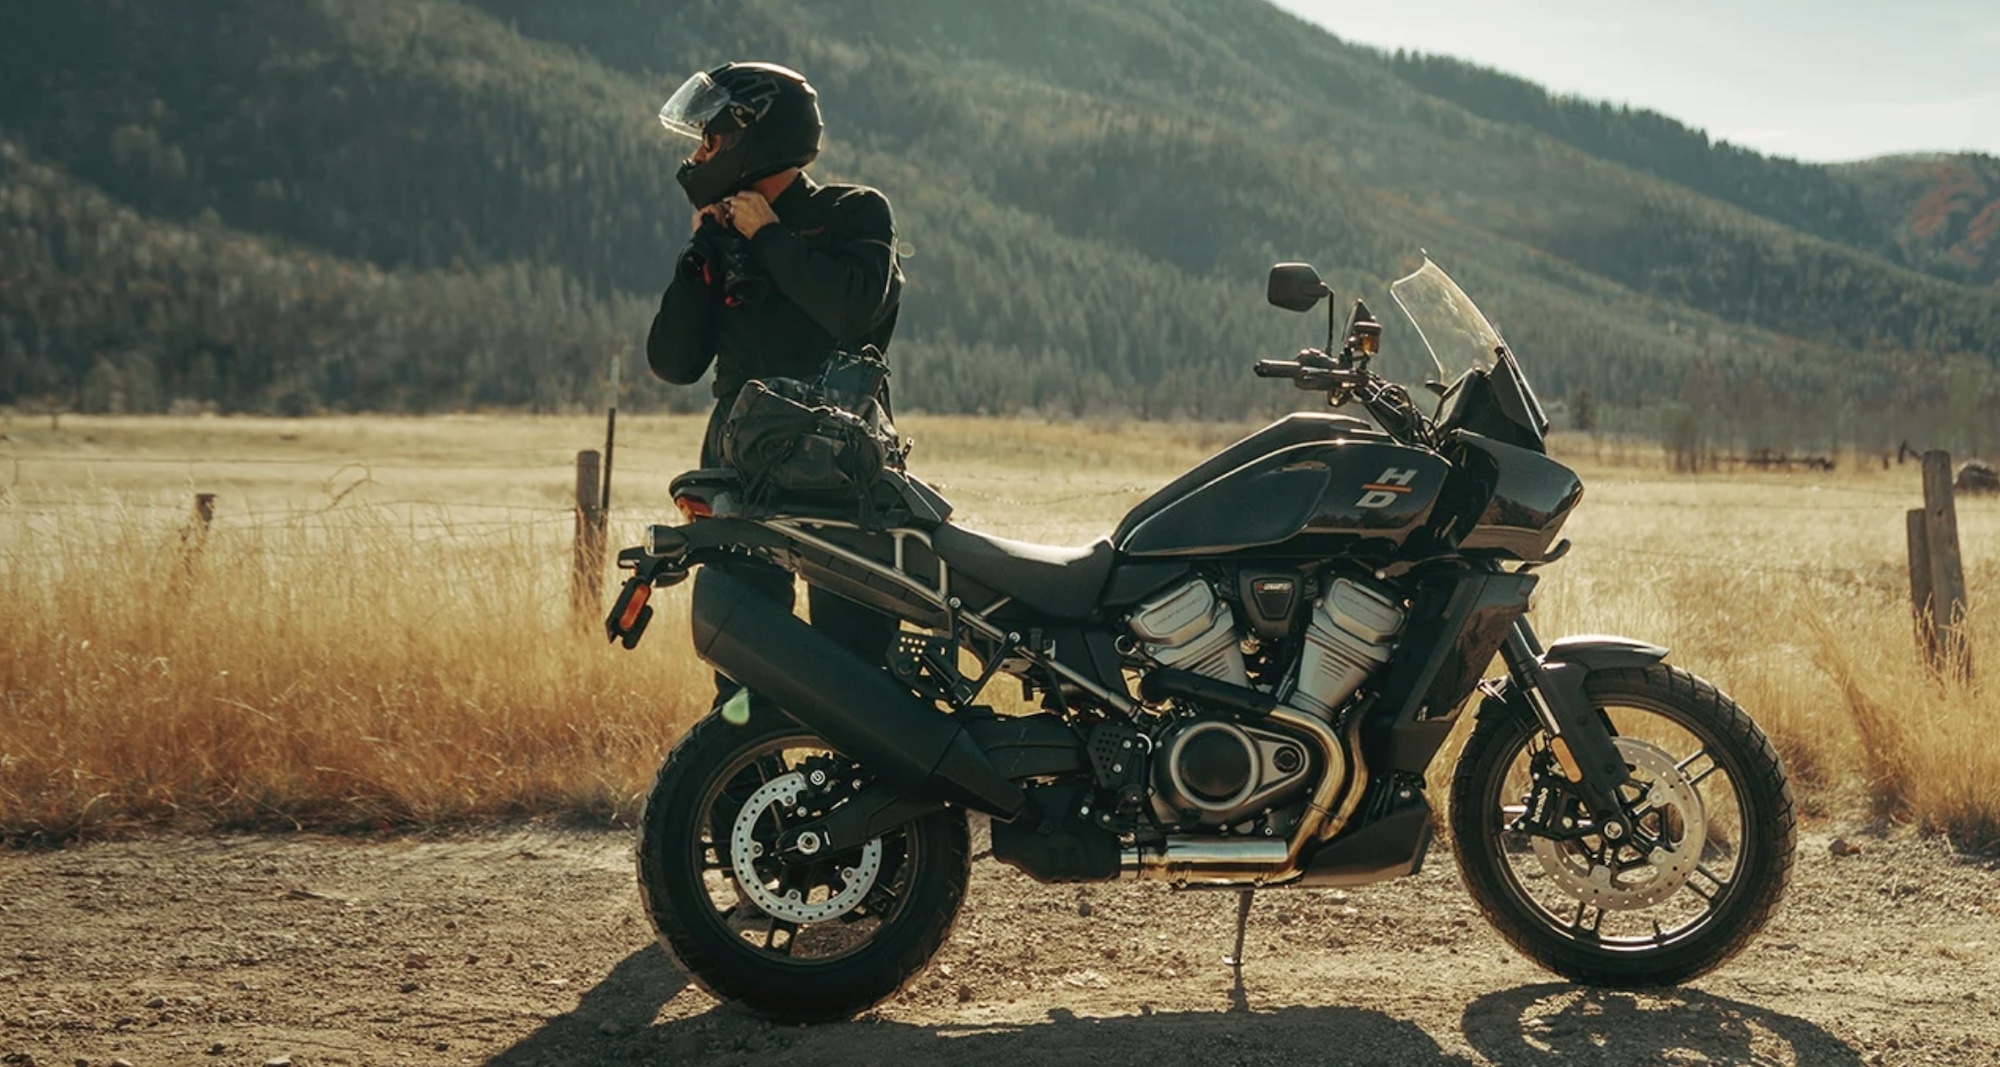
[376, 632]
[331, 670]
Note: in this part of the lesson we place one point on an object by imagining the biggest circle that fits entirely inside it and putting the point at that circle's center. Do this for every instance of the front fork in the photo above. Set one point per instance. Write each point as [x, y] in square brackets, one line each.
[1580, 738]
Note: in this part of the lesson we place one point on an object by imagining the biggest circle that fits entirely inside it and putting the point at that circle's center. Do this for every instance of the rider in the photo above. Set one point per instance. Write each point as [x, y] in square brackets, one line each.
[781, 273]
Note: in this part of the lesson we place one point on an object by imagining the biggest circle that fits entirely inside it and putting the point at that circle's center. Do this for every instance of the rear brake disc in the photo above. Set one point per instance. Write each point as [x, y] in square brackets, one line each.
[854, 878]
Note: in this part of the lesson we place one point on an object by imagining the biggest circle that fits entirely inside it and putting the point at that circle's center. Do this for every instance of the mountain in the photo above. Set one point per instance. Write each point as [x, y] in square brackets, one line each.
[1088, 192]
[1942, 213]
[166, 310]
[1938, 214]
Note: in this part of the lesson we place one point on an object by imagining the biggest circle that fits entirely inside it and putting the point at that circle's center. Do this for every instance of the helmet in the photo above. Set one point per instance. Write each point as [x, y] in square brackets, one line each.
[766, 114]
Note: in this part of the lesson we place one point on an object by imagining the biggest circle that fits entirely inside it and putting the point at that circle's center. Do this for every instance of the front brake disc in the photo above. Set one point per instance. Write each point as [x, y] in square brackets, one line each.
[1643, 880]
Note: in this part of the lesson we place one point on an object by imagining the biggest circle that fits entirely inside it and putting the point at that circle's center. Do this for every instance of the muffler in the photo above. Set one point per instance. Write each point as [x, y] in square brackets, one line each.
[857, 708]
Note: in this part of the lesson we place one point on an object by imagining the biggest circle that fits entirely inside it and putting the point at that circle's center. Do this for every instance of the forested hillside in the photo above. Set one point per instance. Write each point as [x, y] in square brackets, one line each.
[1942, 212]
[198, 311]
[1939, 215]
[1088, 193]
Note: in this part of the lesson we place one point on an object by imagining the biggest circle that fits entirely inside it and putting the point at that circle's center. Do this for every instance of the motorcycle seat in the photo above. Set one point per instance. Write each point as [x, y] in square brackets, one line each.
[1060, 582]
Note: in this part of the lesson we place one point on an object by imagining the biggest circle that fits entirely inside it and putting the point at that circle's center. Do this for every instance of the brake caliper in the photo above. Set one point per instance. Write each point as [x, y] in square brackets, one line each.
[1554, 809]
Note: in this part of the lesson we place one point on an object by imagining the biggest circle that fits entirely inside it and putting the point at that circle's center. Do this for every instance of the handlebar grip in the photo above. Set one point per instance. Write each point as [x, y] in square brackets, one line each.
[1277, 368]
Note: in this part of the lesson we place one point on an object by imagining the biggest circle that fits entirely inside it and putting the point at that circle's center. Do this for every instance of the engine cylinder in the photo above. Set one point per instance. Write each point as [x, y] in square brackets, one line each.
[1351, 636]
[1188, 628]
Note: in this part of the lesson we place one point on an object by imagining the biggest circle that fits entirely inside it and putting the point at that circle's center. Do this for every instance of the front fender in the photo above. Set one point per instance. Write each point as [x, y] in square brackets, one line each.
[1592, 652]
[1551, 687]
[1602, 652]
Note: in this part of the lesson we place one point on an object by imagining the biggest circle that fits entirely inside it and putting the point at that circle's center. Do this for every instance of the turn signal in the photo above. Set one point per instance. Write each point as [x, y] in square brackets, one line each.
[635, 604]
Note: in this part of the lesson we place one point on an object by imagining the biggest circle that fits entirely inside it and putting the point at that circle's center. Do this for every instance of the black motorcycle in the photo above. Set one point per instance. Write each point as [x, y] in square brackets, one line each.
[1242, 687]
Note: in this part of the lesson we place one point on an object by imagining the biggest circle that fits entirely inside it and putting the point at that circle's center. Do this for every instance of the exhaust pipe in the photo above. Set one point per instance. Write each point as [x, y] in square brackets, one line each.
[1200, 861]
[859, 709]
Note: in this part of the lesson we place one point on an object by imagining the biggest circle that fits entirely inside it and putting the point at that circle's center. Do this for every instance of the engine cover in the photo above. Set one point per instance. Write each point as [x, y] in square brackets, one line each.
[1224, 772]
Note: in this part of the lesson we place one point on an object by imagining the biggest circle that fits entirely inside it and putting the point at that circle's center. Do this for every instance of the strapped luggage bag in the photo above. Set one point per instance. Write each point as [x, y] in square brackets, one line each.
[818, 444]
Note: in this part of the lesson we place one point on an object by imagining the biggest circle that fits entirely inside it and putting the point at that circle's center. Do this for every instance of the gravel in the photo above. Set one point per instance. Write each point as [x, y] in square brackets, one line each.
[301, 949]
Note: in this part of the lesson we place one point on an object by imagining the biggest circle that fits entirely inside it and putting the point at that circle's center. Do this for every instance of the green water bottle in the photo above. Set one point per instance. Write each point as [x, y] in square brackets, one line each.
[736, 710]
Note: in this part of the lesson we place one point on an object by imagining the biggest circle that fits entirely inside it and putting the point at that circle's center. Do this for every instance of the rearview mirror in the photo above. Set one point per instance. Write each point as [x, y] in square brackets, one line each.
[1295, 287]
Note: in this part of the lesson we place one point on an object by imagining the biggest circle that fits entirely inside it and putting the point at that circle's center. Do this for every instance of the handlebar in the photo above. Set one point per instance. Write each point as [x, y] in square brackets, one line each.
[1390, 404]
[1314, 371]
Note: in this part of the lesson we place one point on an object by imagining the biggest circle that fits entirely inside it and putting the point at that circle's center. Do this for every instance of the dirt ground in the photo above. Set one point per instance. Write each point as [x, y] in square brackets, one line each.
[528, 947]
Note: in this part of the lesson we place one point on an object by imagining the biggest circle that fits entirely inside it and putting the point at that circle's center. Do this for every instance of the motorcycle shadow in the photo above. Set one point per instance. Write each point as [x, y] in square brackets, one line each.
[1557, 1023]
[614, 1022]
[1530, 1026]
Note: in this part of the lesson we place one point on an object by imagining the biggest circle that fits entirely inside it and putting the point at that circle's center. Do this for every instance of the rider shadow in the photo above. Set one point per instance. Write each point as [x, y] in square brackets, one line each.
[612, 1016]
[1557, 1024]
[1333, 1036]
[1550, 1025]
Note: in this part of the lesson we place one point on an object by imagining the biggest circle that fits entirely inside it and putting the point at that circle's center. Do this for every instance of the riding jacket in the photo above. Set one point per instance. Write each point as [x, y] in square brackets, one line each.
[835, 285]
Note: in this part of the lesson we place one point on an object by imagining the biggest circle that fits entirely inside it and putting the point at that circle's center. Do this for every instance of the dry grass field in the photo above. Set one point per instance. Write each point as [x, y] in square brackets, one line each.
[376, 630]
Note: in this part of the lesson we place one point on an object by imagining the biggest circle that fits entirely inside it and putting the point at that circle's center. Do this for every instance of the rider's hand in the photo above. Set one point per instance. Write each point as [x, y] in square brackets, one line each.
[719, 211]
[749, 212]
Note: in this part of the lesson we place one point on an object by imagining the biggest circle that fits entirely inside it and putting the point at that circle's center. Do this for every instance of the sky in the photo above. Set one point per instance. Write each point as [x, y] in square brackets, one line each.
[1822, 81]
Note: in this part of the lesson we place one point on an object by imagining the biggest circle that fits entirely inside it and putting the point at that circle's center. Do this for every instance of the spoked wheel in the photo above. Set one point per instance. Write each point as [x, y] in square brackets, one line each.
[1703, 867]
[811, 936]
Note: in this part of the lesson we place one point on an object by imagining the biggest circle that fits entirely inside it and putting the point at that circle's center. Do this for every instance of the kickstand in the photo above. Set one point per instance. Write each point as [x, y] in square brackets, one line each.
[1238, 1000]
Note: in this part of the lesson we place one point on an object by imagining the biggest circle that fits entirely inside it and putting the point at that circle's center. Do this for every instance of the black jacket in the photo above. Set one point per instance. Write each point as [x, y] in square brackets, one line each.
[835, 285]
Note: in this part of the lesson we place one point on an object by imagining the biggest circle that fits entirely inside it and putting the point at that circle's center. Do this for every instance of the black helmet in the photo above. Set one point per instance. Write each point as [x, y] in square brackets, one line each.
[768, 118]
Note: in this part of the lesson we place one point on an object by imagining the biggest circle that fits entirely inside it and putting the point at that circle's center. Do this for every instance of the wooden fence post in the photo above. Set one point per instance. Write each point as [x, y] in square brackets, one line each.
[1947, 568]
[194, 536]
[1917, 528]
[586, 589]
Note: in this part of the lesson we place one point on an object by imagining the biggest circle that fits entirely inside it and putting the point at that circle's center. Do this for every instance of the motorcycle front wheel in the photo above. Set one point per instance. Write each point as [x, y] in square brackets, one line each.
[800, 940]
[1704, 868]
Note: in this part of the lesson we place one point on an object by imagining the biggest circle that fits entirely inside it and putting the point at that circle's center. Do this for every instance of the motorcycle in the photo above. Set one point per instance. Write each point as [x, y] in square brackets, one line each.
[1243, 686]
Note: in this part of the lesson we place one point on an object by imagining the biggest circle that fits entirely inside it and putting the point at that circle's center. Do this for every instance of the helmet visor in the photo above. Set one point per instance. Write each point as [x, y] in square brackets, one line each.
[698, 100]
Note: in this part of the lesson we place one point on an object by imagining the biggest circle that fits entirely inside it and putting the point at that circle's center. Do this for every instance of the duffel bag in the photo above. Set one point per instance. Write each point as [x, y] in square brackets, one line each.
[821, 443]
[782, 435]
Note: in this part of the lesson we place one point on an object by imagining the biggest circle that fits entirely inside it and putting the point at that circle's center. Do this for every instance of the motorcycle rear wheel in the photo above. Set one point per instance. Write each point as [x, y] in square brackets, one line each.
[1603, 915]
[852, 954]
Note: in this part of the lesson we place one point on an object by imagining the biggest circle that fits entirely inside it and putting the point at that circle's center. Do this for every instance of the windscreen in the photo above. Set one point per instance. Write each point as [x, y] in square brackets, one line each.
[1453, 328]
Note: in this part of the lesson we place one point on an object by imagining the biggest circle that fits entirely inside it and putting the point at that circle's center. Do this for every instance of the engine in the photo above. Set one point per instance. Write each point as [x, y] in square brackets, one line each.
[1348, 637]
[1215, 771]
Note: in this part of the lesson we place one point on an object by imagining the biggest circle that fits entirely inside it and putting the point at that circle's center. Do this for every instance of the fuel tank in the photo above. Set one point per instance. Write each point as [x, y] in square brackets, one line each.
[1354, 496]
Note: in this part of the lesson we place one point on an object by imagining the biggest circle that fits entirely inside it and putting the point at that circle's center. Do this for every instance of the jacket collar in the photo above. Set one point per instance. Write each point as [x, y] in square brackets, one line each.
[795, 196]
